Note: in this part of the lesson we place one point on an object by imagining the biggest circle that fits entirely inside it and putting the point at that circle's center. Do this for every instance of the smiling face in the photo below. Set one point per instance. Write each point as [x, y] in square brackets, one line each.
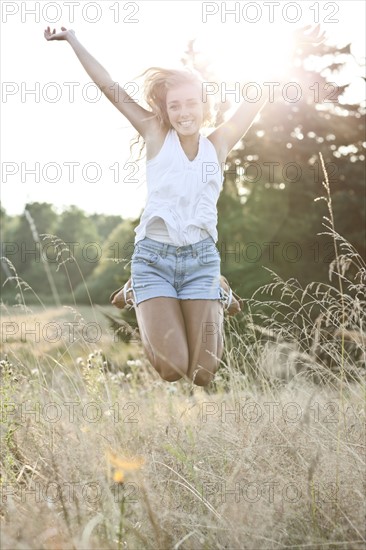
[185, 109]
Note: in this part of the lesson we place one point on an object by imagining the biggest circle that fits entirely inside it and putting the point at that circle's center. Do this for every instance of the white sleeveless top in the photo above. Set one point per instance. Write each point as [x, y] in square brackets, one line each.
[181, 194]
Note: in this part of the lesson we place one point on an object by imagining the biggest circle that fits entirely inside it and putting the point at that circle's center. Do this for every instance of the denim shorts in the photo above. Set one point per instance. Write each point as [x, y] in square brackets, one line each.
[188, 272]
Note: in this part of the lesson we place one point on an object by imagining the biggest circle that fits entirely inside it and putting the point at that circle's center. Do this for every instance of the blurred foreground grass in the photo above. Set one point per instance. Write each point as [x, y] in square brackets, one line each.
[98, 452]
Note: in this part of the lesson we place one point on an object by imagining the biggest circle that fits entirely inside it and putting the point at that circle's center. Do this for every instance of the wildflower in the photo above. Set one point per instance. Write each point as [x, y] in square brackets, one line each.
[121, 466]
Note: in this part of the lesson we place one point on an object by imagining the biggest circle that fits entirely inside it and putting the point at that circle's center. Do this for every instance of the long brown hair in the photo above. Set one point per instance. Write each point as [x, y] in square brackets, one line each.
[157, 82]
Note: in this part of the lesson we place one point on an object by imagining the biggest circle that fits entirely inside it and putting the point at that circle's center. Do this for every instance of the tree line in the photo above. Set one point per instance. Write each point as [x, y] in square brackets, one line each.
[269, 218]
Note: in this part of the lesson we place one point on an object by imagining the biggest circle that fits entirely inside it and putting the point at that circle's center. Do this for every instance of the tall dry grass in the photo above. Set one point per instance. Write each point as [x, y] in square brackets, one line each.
[98, 452]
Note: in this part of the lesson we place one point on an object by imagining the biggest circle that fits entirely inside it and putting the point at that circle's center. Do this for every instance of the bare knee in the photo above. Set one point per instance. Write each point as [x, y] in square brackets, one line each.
[202, 376]
[171, 371]
[170, 375]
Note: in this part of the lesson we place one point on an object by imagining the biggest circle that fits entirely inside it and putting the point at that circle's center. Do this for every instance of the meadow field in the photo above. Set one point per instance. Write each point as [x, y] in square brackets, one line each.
[99, 452]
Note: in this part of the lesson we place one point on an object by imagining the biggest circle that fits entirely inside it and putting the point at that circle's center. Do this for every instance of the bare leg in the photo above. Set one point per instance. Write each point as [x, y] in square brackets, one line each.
[182, 338]
[123, 297]
[203, 320]
[163, 335]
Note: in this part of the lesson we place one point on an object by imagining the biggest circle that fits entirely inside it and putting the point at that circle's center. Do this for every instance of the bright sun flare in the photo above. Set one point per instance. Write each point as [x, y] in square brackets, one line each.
[252, 58]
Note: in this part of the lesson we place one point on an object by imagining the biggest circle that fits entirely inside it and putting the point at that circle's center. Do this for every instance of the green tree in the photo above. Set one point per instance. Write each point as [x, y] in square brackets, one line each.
[105, 224]
[83, 244]
[267, 214]
[24, 246]
[281, 176]
[113, 268]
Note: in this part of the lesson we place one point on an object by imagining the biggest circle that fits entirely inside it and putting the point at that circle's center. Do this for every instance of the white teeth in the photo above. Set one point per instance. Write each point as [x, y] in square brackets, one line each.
[186, 123]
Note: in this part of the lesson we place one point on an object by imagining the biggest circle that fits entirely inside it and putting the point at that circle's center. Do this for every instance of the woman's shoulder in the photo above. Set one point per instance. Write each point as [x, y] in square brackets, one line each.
[155, 141]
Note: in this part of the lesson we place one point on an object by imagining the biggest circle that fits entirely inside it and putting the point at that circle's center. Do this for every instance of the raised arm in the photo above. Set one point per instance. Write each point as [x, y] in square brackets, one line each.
[227, 135]
[140, 118]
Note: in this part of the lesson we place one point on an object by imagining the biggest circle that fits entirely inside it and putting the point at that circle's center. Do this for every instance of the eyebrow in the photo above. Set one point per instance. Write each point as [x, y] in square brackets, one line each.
[188, 100]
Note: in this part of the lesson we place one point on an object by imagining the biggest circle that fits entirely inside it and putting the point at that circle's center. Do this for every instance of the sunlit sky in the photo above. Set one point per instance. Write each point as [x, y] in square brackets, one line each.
[86, 131]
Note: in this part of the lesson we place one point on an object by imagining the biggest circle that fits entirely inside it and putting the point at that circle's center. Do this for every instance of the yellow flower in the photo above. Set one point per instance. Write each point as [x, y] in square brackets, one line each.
[122, 466]
[118, 476]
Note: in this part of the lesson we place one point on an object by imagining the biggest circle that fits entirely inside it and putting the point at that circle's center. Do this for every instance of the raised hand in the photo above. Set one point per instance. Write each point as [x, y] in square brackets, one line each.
[57, 35]
[312, 37]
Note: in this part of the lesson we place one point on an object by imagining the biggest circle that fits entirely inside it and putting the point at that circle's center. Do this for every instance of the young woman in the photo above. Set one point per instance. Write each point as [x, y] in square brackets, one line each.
[175, 286]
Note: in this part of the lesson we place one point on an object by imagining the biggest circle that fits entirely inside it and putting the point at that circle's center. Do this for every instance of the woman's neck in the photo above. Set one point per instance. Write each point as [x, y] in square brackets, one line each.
[189, 141]
[190, 145]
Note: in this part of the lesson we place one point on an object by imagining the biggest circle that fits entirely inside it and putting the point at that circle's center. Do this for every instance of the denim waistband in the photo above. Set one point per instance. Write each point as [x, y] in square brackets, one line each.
[164, 248]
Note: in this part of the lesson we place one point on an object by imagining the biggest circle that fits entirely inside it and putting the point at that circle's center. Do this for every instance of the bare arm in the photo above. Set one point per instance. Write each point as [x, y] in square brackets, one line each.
[140, 118]
[227, 135]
